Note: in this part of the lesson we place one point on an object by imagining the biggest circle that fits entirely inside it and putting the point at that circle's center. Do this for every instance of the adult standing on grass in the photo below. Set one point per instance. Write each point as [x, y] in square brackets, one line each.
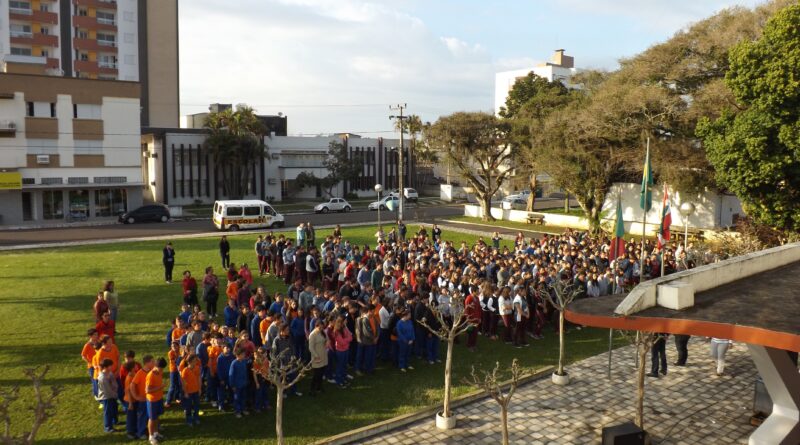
[401, 229]
[317, 348]
[100, 307]
[300, 235]
[211, 291]
[111, 298]
[189, 285]
[225, 252]
[168, 258]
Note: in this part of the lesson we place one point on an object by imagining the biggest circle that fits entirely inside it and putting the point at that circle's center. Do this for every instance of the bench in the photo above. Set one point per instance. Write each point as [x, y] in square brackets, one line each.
[695, 234]
[535, 218]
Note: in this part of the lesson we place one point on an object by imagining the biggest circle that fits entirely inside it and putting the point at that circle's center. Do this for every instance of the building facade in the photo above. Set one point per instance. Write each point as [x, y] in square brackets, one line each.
[560, 68]
[129, 40]
[73, 146]
[178, 170]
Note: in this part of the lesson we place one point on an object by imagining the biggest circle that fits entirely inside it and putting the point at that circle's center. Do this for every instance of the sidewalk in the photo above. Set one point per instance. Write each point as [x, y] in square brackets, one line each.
[688, 406]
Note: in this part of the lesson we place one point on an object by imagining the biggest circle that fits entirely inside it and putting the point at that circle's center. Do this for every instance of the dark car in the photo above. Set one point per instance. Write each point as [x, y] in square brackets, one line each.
[153, 212]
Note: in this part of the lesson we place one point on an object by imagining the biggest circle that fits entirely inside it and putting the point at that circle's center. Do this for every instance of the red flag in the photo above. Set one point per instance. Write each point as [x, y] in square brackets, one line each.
[666, 220]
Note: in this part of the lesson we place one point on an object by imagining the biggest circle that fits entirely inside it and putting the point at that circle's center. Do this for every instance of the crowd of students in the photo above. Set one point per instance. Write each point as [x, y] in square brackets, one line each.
[345, 307]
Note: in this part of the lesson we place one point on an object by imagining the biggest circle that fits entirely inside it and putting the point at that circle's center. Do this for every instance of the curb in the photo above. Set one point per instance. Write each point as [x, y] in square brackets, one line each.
[429, 412]
[473, 232]
[163, 237]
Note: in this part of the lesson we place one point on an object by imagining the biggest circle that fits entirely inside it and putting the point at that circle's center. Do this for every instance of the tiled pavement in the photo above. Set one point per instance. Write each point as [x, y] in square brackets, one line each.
[689, 406]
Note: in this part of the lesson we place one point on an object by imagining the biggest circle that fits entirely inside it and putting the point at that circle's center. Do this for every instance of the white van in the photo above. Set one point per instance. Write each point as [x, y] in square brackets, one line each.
[245, 214]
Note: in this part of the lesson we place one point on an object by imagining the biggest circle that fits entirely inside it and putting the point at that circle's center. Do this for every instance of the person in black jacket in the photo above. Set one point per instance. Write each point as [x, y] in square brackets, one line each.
[225, 252]
[168, 259]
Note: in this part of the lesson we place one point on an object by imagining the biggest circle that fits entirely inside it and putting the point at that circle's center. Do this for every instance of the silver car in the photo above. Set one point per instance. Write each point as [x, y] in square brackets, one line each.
[333, 205]
[382, 203]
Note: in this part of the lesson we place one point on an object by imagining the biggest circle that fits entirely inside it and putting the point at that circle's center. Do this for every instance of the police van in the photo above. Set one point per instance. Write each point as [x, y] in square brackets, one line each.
[245, 214]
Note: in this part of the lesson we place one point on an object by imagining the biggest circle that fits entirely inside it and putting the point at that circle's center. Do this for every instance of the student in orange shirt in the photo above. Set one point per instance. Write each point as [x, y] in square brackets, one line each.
[190, 381]
[108, 350]
[130, 414]
[232, 291]
[174, 357]
[130, 357]
[138, 394]
[213, 354]
[88, 353]
[180, 329]
[154, 388]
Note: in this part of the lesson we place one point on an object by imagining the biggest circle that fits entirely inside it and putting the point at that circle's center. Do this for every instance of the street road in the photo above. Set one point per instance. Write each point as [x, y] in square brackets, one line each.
[115, 231]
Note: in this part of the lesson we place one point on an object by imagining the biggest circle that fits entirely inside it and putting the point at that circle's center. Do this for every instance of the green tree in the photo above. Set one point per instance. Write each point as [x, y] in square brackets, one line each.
[755, 147]
[236, 142]
[476, 144]
[341, 167]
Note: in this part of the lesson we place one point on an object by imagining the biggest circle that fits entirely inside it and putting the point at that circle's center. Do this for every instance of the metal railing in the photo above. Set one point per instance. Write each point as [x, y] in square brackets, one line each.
[105, 21]
[102, 64]
[25, 34]
[20, 11]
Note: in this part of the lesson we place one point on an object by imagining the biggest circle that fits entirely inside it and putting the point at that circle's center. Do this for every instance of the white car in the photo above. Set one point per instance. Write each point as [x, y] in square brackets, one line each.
[334, 205]
[514, 202]
[382, 203]
[410, 194]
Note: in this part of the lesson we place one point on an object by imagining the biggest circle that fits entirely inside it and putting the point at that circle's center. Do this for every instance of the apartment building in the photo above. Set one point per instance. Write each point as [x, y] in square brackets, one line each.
[179, 170]
[129, 40]
[560, 68]
[69, 148]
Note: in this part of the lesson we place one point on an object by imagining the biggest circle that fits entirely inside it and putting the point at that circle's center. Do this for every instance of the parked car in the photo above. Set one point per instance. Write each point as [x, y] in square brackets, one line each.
[245, 214]
[382, 203]
[333, 205]
[410, 194]
[152, 213]
[514, 203]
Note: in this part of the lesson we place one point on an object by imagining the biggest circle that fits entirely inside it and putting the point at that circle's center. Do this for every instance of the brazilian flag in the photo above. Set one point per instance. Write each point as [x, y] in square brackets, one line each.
[646, 194]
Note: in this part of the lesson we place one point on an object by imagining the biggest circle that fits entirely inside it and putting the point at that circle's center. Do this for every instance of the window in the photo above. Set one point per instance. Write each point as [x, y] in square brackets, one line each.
[105, 18]
[82, 12]
[44, 7]
[83, 56]
[53, 201]
[45, 53]
[110, 202]
[234, 211]
[269, 211]
[29, 109]
[20, 7]
[40, 109]
[252, 211]
[18, 30]
[17, 51]
[83, 34]
[86, 111]
[27, 206]
[45, 31]
[52, 110]
[78, 204]
[106, 39]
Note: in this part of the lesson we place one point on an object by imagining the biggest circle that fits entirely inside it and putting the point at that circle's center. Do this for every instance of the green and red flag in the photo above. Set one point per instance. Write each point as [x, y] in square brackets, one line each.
[646, 194]
[618, 242]
[666, 220]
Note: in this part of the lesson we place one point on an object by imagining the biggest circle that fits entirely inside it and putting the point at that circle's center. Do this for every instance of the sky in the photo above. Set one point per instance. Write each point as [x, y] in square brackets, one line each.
[337, 65]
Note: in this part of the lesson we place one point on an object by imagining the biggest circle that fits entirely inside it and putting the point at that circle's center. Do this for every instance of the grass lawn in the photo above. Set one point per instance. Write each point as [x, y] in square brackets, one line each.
[45, 323]
[538, 228]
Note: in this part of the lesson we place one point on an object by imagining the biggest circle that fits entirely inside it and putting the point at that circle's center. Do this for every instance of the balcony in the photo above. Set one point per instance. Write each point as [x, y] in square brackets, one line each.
[106, 64]
[107, 43]
[41, 128]
[37, 39]
[52, 63]
[101, 4]
[85, 66]
[87, 129]
[28, 15]
[85, 44]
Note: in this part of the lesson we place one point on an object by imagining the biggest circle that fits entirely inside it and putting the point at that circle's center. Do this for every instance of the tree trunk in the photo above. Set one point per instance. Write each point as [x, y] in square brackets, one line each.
[504, 420]
[561, 342]
[279, 415]
[486, 207]
[448, 367]
[642, 352]
[532, 197]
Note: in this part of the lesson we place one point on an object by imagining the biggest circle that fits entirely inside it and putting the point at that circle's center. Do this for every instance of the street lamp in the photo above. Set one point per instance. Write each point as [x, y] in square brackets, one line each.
[379, 189]
[687, 208]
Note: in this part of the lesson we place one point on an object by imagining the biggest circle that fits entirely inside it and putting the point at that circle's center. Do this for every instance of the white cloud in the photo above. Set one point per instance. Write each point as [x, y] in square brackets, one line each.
[279, 54]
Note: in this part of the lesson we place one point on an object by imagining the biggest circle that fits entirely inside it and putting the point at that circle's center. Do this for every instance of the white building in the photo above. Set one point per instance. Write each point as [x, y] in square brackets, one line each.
[561, 68]
[178, 170]
[69, 148]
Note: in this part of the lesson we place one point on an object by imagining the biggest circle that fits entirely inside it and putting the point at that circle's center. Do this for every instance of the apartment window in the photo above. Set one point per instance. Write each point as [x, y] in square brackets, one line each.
[106, 18]
[52, 110]
[106, 39]
[82, 12]
[45, 53]
[18, 30]
[17, 51]
[44, 7]
[19, 7]
[29, 109]
[45, 31]
[110, 202]
[86, 111]
[107, 61]
[53, 201]
[78, 204]
[83, 34]
[40, 109]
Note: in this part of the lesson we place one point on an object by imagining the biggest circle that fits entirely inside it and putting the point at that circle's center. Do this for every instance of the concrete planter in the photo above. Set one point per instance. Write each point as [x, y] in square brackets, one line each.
[561, 380]
[445, 423]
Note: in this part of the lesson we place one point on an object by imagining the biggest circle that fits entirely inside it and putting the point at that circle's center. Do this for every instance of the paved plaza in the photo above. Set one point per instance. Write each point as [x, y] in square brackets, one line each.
[689, 406]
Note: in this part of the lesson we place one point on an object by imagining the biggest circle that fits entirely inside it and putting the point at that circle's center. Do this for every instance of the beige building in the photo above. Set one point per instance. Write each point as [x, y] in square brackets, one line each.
[129, 40]
[69, 148]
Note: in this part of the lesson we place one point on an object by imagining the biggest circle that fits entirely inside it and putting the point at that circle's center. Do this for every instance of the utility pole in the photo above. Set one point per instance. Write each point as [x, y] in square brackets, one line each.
[400, 187]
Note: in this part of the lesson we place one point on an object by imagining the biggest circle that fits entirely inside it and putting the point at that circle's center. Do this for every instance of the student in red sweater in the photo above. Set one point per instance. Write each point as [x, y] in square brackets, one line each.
[106, 326]
[472, 310]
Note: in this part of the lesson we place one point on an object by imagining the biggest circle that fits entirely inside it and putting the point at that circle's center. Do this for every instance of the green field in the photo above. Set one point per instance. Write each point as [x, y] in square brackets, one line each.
[45, 320]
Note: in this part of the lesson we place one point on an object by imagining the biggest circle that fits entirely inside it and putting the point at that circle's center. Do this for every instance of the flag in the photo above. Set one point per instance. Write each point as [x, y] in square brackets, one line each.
[646, 198]
[618, 242]
[666, 220]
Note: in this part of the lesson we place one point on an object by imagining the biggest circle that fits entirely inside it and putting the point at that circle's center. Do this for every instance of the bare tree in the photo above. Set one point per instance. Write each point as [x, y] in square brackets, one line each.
[449, 323]
[489, 383]
[560, 295]
[43, 407]
[283, 371]
[643, 342]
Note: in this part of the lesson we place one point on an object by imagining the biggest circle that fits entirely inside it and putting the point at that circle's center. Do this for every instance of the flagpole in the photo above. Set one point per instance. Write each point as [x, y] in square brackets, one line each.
[644, 213]
[664, 245]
